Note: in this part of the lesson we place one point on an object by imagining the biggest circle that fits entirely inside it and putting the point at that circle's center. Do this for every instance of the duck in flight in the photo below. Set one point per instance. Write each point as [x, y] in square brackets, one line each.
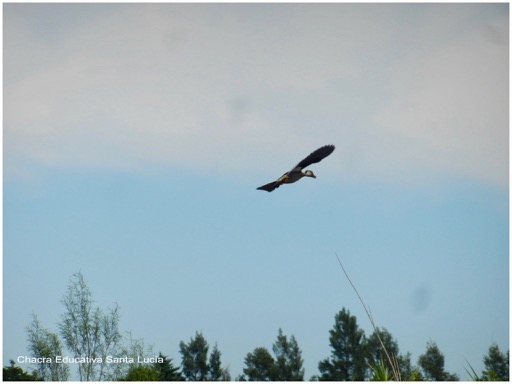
[296, 173]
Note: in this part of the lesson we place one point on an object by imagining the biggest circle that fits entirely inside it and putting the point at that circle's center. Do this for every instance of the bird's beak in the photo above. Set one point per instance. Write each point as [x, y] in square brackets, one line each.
[314, 177]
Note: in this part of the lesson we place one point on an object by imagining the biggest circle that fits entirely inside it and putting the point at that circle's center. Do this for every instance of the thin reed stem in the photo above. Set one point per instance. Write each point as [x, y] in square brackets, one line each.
[393, 362]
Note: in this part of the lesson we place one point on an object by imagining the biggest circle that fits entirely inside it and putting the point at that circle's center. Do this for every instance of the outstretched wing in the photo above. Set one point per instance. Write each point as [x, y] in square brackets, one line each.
[315, 157]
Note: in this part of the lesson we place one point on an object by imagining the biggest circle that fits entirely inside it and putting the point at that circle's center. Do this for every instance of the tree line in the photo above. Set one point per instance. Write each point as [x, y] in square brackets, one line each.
[92, 339]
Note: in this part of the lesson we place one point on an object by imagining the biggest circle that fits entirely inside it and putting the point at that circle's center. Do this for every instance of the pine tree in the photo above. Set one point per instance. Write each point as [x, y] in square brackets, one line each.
[216, 372]
[432, 365]
[195, 365]
[347, 361]
[166, 370]
[260, 366]
[194, 357]
[287, 365]
[407, 371]
[496, 365]
[375, 352]
[288, 358]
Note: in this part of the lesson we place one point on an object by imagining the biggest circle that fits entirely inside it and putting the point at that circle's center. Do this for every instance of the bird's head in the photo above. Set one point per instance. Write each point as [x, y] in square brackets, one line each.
[310, 174]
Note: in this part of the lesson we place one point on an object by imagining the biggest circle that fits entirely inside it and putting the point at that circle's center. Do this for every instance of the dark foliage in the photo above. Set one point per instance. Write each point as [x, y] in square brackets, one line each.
[13, 373]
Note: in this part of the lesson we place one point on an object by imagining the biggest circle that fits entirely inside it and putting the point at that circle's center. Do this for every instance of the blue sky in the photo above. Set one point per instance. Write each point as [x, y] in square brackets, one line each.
[135, 137]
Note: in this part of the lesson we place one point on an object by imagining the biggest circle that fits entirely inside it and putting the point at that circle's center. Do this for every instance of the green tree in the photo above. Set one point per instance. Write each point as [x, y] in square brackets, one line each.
[166, 370]
[87, 331]
[260, 366]
[375, 355]
[142, 373]
[196, 366]
[288, 358]
[407, 371]
[496, 365]
[215, 370]
[347, 361]
[432, 365]
[287, 365]
[194, 357]
[45, 345]
[12, 373]
[130, 349]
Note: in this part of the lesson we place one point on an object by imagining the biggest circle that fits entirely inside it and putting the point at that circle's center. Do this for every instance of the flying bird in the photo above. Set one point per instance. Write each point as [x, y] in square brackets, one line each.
[296, 173]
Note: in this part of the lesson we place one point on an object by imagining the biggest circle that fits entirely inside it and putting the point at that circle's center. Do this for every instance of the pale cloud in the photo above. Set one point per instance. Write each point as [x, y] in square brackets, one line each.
[239, 88]
[450, 104]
